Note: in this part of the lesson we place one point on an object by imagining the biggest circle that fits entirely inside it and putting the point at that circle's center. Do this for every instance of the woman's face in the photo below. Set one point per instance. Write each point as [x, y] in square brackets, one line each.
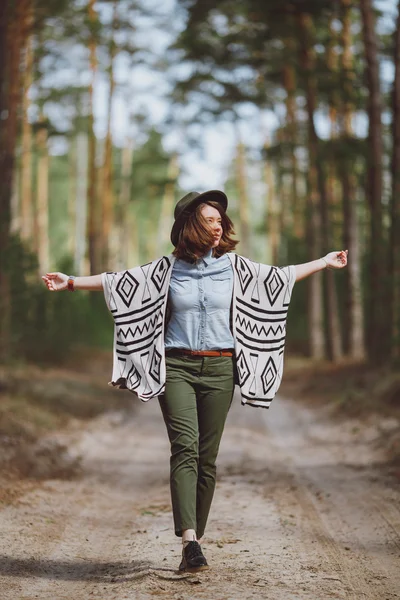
[213, 218]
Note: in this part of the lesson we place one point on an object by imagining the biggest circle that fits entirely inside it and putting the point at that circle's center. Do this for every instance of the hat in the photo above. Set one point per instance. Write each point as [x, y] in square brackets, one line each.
[186, 205]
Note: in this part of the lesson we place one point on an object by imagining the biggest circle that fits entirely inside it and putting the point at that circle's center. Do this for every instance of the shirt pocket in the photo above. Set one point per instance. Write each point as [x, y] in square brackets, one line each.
[220, 284]
[182, 284]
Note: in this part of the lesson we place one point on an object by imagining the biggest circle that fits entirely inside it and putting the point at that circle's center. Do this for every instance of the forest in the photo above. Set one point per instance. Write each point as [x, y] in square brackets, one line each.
[110, 112]
[309, 93]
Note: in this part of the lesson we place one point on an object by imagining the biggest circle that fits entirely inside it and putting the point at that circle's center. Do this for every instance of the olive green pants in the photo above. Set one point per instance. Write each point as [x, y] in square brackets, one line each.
[198, 395]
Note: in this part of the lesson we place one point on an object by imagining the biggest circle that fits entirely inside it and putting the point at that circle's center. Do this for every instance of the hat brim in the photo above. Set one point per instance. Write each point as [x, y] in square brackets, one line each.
[212, 196]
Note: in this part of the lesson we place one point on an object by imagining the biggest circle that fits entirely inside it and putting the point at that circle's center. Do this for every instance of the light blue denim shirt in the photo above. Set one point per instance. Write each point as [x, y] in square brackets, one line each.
[200, 297]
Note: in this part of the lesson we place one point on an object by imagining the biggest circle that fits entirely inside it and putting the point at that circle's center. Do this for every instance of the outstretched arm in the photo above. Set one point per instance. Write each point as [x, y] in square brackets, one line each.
[57, 282]
[333, 260]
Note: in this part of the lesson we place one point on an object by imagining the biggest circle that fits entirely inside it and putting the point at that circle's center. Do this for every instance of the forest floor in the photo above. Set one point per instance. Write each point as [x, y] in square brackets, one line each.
[307, 504]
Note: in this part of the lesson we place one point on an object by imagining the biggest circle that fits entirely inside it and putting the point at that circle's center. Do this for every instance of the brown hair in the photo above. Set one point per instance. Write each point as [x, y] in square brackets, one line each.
[195, 237]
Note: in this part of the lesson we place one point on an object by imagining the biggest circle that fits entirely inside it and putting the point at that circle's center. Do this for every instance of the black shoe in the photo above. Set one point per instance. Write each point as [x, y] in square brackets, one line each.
[192, 558]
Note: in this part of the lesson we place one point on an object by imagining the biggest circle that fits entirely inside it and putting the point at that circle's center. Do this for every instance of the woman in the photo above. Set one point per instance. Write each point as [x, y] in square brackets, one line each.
[187, 328]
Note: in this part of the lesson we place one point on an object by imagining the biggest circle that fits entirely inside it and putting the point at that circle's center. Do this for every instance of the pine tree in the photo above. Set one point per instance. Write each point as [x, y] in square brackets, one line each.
[394, 260]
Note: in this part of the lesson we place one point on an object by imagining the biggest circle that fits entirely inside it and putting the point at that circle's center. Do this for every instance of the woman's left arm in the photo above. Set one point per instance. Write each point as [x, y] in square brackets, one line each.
[333, 260]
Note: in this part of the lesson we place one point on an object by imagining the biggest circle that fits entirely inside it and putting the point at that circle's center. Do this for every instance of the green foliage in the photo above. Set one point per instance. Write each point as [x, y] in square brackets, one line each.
[149, 178]
[46, 326]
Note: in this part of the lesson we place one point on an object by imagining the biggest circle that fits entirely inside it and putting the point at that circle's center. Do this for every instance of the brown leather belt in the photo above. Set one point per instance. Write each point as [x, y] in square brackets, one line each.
[178, 351]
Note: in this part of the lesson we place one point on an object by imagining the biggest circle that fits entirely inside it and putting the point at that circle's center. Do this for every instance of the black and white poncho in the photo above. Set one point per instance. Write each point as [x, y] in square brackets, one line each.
[137, 300]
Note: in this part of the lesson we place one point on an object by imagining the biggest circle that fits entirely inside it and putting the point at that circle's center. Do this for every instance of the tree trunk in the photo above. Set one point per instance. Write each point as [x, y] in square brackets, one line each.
[26, 208]
[167, 207]
[13, 28]
[125, 221]
[315, 289]
[92, 203]
[354, 314]
[81, 268]
[42, 199]
[151, 221]
[317, 201]
[377, 346]
[289, 83]
[108, 195]
[333, 322]
[243, 199]
[272, 221]
[72, 182]
[394, 260]
[333, 67]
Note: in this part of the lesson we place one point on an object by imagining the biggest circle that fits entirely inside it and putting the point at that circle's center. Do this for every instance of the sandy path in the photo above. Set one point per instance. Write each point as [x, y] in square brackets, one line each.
[303, 509]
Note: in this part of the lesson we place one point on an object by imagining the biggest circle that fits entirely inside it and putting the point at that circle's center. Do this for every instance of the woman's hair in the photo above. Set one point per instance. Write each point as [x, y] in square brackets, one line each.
[195, 237]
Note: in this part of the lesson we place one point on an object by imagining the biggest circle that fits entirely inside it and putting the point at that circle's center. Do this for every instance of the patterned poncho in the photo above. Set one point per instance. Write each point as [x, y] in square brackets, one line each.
[137, 300]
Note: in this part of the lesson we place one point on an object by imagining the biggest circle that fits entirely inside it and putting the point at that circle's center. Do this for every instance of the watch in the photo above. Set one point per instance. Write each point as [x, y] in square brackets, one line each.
[71, 279]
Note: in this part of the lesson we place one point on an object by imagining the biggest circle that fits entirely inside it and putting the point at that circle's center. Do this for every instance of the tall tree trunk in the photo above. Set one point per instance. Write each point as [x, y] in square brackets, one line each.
[81, 203]
[72, 182]
[108, 195]
[377, 347]
[332, 63]
[315, 291]
[272, 220]
[394, 261]
[151, 222]
[333, 322]
[167, 207]
[26, 208]
[124, 213]
[317, 201]
[13, 31]
[133, 246]
[354, 313]
[244, 216]
[289, 83]
[92, 203]
[42, 199]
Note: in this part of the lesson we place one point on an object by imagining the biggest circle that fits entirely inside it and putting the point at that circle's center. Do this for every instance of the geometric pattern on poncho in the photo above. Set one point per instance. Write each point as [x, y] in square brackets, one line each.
[273, 285]
[260, 307]
[137, 300]
[159, 272]
[126, 288]
[244, 274]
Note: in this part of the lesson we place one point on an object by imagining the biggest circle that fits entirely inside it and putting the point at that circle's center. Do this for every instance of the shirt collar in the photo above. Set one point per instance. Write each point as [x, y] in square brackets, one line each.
[207, 258]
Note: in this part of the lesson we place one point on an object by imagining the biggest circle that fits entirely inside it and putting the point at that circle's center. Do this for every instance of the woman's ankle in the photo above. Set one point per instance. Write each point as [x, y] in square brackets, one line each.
[188, 535]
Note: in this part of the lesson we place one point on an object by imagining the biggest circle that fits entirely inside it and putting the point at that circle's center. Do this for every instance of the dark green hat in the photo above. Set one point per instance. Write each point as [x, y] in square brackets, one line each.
[188, 204]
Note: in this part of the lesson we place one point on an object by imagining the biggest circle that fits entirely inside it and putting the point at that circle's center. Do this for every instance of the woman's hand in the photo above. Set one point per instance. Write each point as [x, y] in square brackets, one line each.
[333, 260]
[336, 260]
[56, 282]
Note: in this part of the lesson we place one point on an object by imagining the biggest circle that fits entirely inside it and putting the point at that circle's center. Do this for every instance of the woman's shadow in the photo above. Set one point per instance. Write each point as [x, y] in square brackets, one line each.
[84, 570]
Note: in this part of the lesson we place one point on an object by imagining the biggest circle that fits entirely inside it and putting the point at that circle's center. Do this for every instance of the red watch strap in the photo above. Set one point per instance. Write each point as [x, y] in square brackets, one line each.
[71, 284]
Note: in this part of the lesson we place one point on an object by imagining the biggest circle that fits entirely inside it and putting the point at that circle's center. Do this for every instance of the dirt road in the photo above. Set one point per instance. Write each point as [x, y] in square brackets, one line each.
[304, 509]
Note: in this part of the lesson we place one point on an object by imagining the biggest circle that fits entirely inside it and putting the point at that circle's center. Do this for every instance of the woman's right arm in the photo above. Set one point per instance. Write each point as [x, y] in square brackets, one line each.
[57, 282]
